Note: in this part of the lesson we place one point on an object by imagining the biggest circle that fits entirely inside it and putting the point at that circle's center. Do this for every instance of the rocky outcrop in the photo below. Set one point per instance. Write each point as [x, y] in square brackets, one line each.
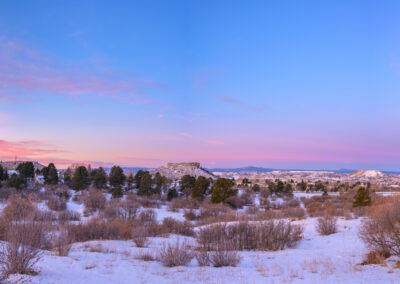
[13, 165]
[176, 171]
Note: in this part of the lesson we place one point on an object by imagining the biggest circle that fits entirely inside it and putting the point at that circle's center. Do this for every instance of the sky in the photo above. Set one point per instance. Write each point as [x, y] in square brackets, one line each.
[281, 84]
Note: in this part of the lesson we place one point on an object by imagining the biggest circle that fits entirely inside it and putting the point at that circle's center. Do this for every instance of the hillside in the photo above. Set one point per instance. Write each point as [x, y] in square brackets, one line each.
[176, 171]
[367, 174]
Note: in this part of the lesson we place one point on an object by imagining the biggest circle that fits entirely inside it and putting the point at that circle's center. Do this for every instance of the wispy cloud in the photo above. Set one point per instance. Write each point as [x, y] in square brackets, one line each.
[26, 148]
[25, 70]
[239, 103]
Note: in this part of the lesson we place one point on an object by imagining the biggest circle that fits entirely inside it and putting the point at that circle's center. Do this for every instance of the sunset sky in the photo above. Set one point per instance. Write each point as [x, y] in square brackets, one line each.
[283, 84]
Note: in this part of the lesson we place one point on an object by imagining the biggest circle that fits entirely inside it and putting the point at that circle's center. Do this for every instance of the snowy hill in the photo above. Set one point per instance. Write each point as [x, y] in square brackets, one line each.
[367, 174]
[176, 171]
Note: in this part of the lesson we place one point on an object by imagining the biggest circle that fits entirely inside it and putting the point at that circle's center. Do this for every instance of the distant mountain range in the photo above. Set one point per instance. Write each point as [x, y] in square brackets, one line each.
[266, 170]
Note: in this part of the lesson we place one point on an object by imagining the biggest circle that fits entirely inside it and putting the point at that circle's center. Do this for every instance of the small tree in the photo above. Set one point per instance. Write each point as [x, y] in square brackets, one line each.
[146, 183]
[222, 189]
[16, 181]
[50, 174]
[68, 177]
[26, 170]
[100, 178]
[187, 183]
[117, 176]
[302, 186]
[362, 198]
[200, 188]
[2, 173]
[129, 181]
[256, 188]
[138, 178]
[80, 180]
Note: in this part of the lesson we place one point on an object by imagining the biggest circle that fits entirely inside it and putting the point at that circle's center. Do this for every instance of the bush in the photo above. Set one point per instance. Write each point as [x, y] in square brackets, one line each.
[381, 232]
[56, 203]
[203, 257]
[223, 256]
[267, 235]
[124, 209]
[139, 236]
[21, 251]
[62, 242]
[326, 225]
[68, 215]
[94, 200]
[173, 226]
[148, 217]
[175, 255]
[18, 208]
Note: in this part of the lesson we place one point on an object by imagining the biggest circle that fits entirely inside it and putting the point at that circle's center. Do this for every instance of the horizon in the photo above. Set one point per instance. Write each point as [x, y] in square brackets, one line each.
[286, 85]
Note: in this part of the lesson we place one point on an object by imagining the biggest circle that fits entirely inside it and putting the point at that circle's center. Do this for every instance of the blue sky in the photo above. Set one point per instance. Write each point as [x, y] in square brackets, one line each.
[308, 84]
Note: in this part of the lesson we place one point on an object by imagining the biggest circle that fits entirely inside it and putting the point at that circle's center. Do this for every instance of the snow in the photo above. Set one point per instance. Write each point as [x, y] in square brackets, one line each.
[316, 259]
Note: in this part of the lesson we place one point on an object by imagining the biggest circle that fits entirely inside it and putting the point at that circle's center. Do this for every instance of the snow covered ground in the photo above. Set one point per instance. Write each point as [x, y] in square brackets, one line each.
[316, 259]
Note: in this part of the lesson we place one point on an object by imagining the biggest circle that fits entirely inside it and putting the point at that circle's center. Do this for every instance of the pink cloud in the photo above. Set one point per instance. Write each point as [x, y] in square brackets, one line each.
[23, 70]
[25, 148]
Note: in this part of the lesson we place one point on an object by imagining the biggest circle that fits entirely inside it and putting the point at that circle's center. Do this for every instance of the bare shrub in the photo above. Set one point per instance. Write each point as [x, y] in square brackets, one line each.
[146, 256]
[68, 215]
[190, 215]
[150, 201]
[212, 210]
[56, 203]
[98, 229]
[44, 216]
[62, 242]
[326, 225]
[175, 255]
[18, 208]
[124, 209]
[139, 236]
[381, 231]
[374, 257]
[267, 235]
[203, 257]
[7, 192]
[297, 213]
[176, 204]
[21, 251]
[94, 200]
[176, 227]
[147, 217]
[224, 256]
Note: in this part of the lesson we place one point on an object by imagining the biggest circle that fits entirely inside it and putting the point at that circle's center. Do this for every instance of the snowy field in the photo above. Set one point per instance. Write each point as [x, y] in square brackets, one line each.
[316, 259]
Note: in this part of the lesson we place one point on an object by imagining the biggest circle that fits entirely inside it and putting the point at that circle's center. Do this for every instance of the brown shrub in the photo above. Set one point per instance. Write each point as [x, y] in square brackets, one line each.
[153, 201]
[381, 231]
[94, 200]
[374, 257]
[146, 256]
[21, 251]
[326, 225]
[124, 209]
[139, 236]
[176, 204]
[56, 203]
[68, 215]
[173, 226]
[99, 229]
[224, 256]
[18, 208]
[175, 255]
[62, 242]
[203, 257]
[267, 235]
[148, 217]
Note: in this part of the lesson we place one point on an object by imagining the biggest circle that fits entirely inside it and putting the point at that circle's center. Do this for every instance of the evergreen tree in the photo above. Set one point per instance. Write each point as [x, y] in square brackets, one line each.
[80, 180]
[117, 191]
[187, 183]
[172, 193]
[138, 178]
[26, 170]
[16, 181]
[159, 182]
[200, 188]
[2, 175]
[68, 177]
[256, 188]
[288, 189]
[280, 187]
[129, 181]
[117, 176]
[246, 182]
[146, 184]
[222, 189]
[302, 186]
[50, 174]
[99, 178]
[362, 198]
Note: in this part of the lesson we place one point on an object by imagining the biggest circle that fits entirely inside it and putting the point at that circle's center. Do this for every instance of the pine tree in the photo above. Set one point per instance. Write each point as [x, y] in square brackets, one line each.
[16, 181]
[146, 184]
[187, 183]
[26, 170]
[80, 180]
[222, 189]
[129, 181]
[138, 178]
[200, 188]
[362, 198]
[50, 174]
[99, 178]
